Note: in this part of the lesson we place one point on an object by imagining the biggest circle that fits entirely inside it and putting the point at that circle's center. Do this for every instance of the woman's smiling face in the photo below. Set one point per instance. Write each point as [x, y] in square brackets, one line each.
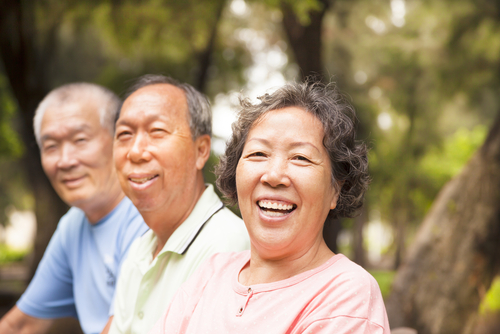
[284, 183]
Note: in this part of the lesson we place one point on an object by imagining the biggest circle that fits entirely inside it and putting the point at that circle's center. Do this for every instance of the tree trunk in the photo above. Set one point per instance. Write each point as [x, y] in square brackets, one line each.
[306, 41]
[28, 87]
[358, 240]
[399, 228]
[205, 57]
[456, 253]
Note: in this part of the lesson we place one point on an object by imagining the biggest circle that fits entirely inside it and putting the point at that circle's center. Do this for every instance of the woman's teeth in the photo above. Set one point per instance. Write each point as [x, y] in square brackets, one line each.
[273, 209]
[274, 213]
[276, 206]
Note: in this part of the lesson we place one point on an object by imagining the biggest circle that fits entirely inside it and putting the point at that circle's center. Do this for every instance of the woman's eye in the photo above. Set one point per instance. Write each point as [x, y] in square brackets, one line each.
[301, 158]
[255, 155]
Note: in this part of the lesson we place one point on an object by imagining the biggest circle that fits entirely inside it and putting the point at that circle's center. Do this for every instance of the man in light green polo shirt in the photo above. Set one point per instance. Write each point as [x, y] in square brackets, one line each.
[162, 142]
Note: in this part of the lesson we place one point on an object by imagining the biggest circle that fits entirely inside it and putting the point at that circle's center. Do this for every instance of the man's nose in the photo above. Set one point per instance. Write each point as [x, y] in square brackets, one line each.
[68, 156]
[276, 173]
[139, 150]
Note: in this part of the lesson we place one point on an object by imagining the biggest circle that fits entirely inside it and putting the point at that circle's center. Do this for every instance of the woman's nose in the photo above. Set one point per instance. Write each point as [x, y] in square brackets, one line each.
[276, 173]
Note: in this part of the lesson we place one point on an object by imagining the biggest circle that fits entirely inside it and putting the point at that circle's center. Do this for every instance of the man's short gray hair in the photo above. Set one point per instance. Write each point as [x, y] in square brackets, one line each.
[200, 113]
[81, 92]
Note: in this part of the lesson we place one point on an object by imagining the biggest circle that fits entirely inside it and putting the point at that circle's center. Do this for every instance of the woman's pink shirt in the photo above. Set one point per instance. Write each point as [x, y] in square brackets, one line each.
[336, 297]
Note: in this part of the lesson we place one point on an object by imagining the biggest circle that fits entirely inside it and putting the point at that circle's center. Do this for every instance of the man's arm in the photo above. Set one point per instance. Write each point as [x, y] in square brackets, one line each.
[18, 322]
[108, 325]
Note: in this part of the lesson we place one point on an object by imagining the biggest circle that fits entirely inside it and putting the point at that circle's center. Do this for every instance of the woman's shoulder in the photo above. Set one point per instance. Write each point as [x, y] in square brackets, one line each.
[344, 268]
[348, 290]
[347, 278]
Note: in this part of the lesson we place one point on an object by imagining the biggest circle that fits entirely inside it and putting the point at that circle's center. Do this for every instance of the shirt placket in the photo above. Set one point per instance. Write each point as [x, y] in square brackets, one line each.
[243, 306]
[145, 290]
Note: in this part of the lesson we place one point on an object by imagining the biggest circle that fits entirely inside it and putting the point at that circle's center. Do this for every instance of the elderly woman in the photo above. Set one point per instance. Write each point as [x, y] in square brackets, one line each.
[292, 162]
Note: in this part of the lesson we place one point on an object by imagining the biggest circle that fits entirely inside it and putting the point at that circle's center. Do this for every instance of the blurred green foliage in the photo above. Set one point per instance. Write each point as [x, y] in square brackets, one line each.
[13, 190]
[301, 8]
[110, 42]
[9, 255]
[491, 302]
[10, 144]
[209, 176]
[425, 89]
[447, 160]
[384, 279]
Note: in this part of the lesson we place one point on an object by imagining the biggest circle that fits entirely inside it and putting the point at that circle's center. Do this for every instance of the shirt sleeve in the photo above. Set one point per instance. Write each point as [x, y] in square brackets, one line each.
[358, 307]
[50, 293]
[345, 324]
[120, 300]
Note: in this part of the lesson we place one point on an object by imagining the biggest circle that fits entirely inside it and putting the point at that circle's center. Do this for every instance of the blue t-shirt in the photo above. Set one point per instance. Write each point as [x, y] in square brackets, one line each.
[78, 272]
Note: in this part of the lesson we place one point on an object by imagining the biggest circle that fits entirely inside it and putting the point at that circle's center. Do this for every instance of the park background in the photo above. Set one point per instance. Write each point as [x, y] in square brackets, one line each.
[424, 76]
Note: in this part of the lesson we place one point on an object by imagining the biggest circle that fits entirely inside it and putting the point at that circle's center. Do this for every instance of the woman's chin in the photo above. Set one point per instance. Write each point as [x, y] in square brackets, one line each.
[274, 247]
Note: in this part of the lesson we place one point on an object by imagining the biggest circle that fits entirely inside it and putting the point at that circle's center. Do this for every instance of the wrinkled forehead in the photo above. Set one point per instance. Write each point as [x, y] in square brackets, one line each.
[263, 115]
[77, 115]
[155, 100]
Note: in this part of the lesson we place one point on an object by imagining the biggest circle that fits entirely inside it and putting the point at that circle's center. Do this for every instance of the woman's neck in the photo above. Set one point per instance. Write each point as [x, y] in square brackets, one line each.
[267, 270]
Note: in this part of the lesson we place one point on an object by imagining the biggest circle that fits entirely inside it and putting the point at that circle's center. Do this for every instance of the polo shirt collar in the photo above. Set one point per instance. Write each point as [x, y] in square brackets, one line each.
[183, 236]
[208, 204]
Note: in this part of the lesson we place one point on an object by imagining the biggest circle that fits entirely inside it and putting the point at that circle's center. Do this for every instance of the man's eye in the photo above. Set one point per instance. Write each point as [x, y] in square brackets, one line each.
[158, 132]
[122, 134]
[49, 147]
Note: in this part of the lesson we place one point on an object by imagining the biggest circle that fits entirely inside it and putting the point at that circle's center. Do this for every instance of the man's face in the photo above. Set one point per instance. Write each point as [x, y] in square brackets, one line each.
[155, 156]
[77, 154]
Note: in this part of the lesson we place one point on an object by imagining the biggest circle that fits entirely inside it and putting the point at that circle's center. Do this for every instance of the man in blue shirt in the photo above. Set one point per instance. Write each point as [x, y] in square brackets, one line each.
[74, 128]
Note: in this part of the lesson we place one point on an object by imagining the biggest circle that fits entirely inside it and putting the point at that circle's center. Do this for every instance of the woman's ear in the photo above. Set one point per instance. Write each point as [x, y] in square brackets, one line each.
[337, 188]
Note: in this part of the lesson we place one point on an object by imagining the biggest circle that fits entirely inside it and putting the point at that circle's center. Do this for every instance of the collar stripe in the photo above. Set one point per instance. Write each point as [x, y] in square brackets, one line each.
[195, 233]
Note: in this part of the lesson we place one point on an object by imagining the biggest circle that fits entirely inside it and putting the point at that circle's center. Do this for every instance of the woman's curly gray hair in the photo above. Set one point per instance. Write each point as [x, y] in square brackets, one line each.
[348, 157]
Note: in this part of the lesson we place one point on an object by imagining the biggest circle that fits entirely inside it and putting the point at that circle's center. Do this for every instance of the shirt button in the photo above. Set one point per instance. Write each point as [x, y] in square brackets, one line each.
[240, 310]
[140, 315]
[249, 290]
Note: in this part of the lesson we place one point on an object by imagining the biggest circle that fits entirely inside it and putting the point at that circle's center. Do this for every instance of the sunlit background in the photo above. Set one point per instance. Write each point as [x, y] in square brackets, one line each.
[422, 75]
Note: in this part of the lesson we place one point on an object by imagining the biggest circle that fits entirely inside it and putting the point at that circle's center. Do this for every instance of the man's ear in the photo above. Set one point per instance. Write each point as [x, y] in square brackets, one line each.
[203, 145]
